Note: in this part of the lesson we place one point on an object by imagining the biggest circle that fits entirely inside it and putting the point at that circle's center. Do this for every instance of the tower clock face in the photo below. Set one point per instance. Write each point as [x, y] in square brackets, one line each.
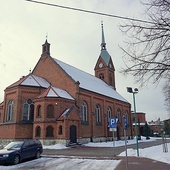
[101, 65]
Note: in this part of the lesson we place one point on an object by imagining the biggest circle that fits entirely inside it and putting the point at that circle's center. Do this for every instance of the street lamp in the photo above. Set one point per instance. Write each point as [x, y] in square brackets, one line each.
[130, 90]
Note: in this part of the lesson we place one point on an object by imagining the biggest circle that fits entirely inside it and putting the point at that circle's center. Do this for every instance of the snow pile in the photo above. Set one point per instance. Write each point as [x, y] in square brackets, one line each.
[155, 152]
[56, 146]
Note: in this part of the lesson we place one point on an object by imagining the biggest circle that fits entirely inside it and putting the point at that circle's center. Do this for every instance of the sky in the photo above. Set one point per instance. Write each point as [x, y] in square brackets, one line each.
[95, 164]
[75, 38]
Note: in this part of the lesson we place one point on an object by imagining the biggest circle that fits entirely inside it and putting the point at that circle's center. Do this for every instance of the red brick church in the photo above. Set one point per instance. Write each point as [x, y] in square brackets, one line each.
[58, 103]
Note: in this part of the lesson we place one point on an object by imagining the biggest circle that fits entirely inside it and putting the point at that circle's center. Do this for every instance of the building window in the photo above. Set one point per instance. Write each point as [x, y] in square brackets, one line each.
[28, 111]
[101, 76]
[49, 131]
[110, 79]
[60, 131]
[44, 49]
[50, 111]
[84, 112]
[118, 115]
[38, 131]
[10, 110]
[98, 114]
[39, 111]
[109, 113]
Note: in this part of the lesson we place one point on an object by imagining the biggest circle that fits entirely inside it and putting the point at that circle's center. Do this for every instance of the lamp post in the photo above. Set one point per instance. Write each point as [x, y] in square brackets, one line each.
[130, 90]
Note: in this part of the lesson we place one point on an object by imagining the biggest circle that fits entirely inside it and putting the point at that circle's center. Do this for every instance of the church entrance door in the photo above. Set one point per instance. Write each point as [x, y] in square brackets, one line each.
[73, 134]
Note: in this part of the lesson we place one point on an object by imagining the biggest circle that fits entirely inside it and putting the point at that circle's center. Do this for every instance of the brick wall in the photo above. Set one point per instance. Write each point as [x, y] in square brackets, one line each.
[49, 70]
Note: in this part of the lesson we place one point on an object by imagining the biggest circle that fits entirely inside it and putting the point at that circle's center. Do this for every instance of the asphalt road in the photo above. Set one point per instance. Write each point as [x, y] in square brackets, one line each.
[84, 151]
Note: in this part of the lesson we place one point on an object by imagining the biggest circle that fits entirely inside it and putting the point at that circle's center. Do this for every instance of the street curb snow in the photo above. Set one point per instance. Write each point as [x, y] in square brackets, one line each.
[80, 157]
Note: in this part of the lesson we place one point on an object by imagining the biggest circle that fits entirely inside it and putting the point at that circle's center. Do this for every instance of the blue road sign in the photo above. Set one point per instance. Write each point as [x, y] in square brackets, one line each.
[125, 125]
[113, 122]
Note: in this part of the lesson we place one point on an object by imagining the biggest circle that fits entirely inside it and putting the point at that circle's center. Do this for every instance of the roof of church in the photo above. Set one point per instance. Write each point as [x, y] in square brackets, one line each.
[105, 56]
[36, 81]
[31, 80]
[1, 104]
[89, 82]
[55, 92]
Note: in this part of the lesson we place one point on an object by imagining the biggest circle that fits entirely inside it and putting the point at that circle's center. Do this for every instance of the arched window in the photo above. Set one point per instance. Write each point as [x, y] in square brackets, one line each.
[38, 131]
[109, 113]
[49, 131]
[84, 111]
[44, 49]
[119, 115]
[101, 76]
[98, 114]
[50, 111]
[10, 111]
[28, 111]
[39, 111]
[110, 79]
[60, 130]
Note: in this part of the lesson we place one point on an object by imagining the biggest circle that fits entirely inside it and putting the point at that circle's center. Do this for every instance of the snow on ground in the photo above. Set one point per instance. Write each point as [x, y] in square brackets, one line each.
[118, 143]
[155, 152]
[64, 164]
[102, 144]
[56, 146]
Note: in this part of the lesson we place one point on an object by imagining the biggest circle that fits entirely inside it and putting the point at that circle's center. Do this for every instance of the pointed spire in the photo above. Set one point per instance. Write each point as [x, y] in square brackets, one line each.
[103, 44]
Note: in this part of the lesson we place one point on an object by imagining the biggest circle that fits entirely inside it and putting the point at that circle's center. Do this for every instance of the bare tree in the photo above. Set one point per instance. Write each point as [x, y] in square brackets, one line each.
[147, 56]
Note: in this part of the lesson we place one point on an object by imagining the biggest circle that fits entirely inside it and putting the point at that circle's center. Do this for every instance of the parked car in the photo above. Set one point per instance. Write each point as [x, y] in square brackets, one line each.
[17, 151]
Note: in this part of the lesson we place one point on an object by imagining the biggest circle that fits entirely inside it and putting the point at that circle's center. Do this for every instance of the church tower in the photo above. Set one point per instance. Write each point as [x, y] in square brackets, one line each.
[104, 68]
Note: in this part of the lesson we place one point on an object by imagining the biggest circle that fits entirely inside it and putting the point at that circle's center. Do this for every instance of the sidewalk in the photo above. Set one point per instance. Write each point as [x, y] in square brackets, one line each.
[135, 163]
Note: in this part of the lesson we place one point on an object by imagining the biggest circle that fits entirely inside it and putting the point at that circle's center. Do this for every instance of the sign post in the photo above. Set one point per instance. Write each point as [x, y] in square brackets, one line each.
[113, 126]
[125, 129]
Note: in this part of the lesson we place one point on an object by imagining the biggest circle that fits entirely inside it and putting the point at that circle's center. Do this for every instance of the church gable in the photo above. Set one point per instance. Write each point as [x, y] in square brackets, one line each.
[49, 69]
[69, 113]
[53, 92]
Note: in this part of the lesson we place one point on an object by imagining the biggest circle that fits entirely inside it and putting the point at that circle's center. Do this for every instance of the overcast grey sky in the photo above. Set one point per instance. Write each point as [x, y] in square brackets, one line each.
[75, 38]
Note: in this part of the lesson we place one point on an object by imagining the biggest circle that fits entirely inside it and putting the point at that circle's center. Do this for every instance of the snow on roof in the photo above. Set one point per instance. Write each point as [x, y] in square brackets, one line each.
[33, 80]
[1, 104]
[56, 92]
[90, 82]
[67, 111]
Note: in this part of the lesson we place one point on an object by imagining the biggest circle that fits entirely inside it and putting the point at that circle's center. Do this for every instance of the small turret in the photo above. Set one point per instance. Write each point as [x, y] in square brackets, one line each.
[46, 48]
